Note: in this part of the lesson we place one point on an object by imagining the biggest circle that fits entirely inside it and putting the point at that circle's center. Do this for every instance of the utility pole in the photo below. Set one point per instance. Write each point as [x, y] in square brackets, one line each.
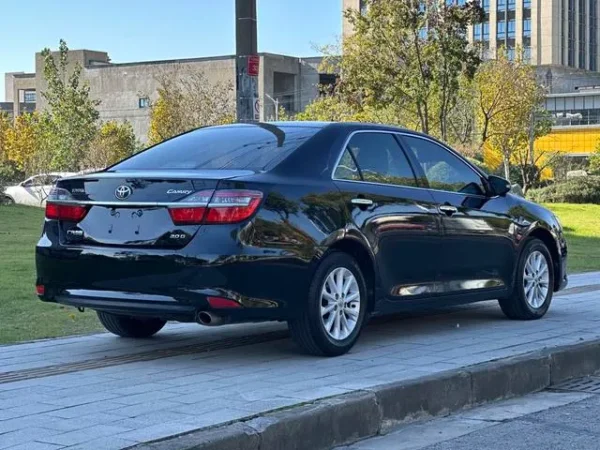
[247, 61]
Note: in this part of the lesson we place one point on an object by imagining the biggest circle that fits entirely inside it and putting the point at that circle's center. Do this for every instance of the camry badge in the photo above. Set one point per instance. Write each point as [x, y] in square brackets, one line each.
[122, 192]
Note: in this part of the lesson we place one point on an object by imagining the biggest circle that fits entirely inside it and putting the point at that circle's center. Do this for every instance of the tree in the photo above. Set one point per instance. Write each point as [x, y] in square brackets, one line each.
[594, 161]
[187, 100]
[113, 142]
[508, 96]
[8, 169]
[410, 57]
[28, 143]
[72, 110]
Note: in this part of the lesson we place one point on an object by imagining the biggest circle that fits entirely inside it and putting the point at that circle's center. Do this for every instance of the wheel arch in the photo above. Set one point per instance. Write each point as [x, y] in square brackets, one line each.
[549, 241]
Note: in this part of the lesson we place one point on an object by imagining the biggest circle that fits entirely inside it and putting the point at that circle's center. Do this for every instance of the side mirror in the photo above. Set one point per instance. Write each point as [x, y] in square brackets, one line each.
[499, 186]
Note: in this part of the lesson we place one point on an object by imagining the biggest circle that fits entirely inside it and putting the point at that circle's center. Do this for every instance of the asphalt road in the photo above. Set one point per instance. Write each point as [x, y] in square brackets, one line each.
[548, 420]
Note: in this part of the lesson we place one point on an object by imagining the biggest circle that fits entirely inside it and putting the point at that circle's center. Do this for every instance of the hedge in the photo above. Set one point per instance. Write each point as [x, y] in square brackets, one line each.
[575, 190]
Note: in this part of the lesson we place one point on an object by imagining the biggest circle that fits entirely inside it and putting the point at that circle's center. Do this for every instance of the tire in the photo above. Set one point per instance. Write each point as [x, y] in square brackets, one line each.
[5, 200]
[130, 327]
[520, 305]
[309, 330]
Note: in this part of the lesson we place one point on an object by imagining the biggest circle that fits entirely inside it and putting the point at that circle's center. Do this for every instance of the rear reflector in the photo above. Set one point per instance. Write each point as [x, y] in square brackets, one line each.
[222, 303]
[225, 206]
[70, 213]
[40, 289]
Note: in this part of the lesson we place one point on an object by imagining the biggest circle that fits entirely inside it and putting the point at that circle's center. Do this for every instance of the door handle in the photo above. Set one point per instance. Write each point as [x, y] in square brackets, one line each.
[448, 209]
[361, 201]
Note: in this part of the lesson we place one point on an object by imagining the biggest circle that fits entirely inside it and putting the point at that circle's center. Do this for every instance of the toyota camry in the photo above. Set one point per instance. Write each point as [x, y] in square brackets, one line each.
[321, 225]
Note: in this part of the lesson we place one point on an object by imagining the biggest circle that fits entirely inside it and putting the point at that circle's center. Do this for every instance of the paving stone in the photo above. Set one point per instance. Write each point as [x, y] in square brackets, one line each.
[117, 406]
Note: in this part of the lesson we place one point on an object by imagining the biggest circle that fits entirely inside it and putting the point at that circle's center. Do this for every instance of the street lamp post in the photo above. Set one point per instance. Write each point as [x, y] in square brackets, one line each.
[276, 103]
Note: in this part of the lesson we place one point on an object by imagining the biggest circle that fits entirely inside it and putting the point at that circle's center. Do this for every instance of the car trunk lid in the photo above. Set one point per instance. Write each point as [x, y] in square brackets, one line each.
[154, 209]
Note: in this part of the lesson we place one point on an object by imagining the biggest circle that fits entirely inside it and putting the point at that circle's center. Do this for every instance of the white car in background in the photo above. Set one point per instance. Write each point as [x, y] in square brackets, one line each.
[33, 191]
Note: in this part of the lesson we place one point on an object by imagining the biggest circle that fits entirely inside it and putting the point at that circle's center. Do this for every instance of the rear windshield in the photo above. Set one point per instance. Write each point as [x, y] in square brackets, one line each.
[252, 147]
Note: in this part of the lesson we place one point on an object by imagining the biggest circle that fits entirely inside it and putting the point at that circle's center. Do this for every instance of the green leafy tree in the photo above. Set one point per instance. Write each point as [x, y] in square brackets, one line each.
[187, 100]
[594, 162]
[113, 142]
[410, 58]
[72, 110]
[509, 97]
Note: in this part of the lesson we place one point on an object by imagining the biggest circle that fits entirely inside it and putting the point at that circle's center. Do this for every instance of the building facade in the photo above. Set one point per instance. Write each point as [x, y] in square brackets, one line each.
[559, 36]
[127, 90]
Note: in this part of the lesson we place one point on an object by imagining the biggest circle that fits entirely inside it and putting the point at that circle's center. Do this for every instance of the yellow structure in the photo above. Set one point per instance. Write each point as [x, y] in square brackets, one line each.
[575, 140]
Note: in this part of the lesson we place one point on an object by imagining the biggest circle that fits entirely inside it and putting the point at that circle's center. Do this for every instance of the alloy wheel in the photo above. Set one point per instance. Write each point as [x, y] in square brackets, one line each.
[340, 303]
[536, 279]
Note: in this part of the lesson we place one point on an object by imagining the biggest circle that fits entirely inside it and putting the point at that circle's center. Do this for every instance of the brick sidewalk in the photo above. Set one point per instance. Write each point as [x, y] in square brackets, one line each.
[123, 404]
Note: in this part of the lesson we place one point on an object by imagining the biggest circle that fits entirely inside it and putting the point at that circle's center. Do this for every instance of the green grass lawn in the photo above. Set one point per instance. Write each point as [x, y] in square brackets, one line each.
[24, 317]
[582, 227]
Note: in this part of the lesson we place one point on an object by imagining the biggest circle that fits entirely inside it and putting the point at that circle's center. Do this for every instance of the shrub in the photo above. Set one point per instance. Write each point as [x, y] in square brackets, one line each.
[575, 190]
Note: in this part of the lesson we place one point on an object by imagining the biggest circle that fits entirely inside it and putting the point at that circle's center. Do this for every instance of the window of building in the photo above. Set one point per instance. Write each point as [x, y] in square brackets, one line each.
[527, 54]
[526, 4]
[512, 5]
[501, 4]
[444, 171]
[510, 53]
[593, 42]
[378, 159]
[485, 4]
[30, 97]
[501, 29]
[362, 6]
[486, 31]
[477, 31]
[582, 30]
[571, 35]
[511, 28]
[143, 102]
[527, 28]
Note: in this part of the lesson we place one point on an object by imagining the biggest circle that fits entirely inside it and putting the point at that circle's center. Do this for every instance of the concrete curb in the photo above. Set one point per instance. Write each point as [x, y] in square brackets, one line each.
[342, 419]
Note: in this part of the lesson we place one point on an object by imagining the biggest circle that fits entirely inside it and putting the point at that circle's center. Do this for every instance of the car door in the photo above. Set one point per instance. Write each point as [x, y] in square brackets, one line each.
[387, 207]
[28, 192]
[477, 251]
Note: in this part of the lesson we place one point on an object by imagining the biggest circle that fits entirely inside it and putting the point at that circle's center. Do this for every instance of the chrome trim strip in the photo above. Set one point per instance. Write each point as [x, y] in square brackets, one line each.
[446, 287]
[400, 133]
[146, 204]
[128, 204]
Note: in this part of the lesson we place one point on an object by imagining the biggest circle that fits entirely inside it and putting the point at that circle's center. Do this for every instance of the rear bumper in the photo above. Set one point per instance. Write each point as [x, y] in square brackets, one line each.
[173, 285]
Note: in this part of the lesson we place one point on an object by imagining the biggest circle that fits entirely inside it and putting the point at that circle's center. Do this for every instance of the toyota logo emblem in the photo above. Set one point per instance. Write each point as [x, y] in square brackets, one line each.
[122, 192]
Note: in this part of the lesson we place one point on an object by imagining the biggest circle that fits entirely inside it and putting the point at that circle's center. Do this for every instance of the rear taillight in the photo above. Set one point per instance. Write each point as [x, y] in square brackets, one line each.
[232, 206]
[69, 213]
[187, 216]
[220, 207]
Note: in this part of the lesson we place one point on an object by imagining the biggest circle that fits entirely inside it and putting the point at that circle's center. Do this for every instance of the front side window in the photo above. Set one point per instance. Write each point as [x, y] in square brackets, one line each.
[379, 159]
[443, 170]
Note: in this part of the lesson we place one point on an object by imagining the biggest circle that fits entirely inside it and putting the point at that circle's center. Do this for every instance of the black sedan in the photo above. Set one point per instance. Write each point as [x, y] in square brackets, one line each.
[318, 224]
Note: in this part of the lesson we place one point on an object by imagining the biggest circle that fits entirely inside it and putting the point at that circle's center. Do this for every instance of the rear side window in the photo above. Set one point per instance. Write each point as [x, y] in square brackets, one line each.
[252, 147]
[380, 160]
